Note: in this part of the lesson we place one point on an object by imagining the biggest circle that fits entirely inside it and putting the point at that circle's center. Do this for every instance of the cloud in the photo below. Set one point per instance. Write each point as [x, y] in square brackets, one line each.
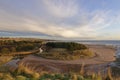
[98, 20]
[88, 30]
[61, 8]
[49, 29]
[11, 22]
[86, 25]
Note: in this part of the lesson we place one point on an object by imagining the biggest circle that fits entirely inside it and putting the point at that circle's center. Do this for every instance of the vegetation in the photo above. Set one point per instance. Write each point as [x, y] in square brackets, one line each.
[11, 46]
[59, 55]
[67, 45]
[66, 51]
[4, 59]
[23, 73]
[54, 50]
[47, 76]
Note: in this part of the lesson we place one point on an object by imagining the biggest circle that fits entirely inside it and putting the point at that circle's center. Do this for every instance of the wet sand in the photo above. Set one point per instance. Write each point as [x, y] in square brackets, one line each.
[104, 55]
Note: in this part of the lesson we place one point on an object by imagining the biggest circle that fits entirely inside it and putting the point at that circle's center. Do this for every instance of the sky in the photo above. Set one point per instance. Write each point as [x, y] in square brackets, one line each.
[61, 19]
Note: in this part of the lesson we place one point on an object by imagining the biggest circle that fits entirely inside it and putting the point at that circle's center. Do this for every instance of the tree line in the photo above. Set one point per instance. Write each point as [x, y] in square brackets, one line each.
[67, 45]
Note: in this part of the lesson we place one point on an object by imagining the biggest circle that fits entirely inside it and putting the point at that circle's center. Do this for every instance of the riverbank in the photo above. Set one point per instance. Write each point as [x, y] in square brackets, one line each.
[104, 55]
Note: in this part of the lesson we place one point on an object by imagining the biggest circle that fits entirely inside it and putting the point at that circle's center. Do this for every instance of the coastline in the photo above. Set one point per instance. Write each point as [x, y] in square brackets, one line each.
[105, 55]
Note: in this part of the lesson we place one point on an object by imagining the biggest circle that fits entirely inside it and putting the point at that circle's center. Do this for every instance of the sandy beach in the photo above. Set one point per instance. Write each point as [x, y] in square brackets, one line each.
[104, 55]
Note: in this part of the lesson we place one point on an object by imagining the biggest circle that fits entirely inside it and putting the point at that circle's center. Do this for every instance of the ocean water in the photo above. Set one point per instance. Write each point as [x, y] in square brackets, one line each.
[115, 43]
[102, 42]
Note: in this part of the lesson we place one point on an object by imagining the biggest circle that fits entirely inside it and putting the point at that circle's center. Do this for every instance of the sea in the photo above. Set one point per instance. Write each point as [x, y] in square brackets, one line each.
[114, 43]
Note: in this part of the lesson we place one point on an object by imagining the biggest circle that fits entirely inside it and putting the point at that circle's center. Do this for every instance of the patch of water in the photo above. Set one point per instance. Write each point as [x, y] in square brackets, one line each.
[116, 63]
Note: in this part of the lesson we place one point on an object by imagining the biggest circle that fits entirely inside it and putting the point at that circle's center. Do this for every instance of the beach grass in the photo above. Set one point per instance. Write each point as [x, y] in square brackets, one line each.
[5, 59]
[24, 73]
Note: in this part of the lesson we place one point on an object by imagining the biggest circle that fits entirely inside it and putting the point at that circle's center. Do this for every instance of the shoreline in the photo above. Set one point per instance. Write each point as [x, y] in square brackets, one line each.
[106, 55]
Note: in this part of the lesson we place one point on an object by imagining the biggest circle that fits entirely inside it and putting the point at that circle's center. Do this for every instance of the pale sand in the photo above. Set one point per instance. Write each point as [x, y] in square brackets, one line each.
[104, 55]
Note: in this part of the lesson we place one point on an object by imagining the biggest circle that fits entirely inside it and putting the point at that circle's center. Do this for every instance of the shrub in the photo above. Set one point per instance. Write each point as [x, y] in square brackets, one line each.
[68, 45]
[5, 50]
[6, 77]
[9, 46]
[20, 77]
[83, 53]
[13, 49]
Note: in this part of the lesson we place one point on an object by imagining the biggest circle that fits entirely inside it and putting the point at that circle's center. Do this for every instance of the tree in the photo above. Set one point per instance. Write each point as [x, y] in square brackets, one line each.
[68, 45]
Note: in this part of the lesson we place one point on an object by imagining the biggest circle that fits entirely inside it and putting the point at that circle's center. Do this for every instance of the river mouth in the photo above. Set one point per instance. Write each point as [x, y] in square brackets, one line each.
[116, 63]
[115, 66]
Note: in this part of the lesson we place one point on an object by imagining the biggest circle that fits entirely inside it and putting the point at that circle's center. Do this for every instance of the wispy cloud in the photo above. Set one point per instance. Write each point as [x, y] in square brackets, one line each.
[85, 24]
[61, 8]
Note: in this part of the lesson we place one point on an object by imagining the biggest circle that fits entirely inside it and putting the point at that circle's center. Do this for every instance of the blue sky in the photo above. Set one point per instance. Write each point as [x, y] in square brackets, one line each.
[61, 19]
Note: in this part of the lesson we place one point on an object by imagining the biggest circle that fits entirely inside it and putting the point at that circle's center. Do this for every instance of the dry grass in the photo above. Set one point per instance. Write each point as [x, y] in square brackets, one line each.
[27, 70]
[5, 59]
[85, 53]
[66, 55]
[54, 76]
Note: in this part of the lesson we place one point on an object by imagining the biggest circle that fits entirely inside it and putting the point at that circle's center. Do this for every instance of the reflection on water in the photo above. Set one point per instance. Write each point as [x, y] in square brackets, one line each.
[115, 66]
[117, 62]
[103, 42]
